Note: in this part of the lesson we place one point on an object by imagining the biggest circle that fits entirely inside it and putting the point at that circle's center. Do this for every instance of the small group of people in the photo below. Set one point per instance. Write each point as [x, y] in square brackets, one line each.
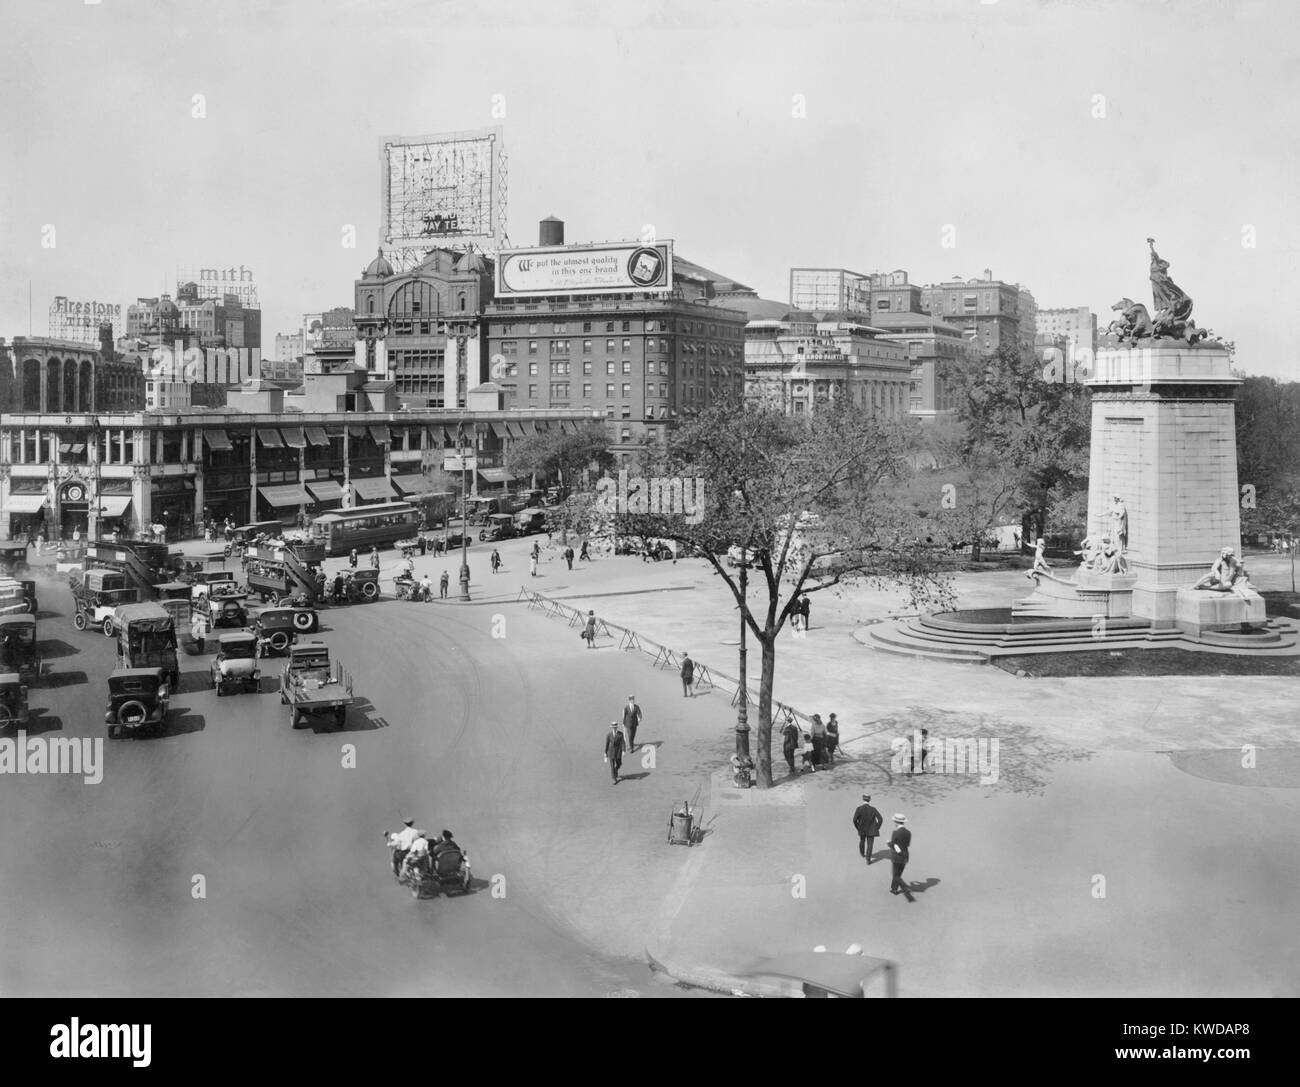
[867, 821]
[411, 847]
[815, 747]
[799, 614]
[622, 739]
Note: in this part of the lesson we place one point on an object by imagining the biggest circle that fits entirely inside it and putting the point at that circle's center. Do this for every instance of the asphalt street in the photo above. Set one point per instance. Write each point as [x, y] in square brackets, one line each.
[490, 737]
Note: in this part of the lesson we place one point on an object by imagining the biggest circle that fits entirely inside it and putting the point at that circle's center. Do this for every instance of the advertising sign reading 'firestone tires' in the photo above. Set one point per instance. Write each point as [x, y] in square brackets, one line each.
[586, 269]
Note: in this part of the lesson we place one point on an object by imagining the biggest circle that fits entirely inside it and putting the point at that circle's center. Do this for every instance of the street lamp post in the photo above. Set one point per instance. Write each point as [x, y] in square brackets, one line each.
[742, 713]
[464, 528]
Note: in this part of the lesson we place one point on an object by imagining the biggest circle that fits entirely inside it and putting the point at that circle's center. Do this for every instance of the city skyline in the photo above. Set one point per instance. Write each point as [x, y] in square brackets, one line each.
[817, 142]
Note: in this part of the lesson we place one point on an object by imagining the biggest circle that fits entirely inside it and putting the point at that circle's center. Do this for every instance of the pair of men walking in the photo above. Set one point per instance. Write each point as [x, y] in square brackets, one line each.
[867, 822]
[615, 742]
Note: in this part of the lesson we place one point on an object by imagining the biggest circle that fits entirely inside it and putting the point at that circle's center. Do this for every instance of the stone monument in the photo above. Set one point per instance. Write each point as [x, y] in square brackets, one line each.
[1162, 481]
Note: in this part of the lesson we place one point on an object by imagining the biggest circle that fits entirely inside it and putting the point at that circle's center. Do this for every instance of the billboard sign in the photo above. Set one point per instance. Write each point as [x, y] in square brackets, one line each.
[586, 269]
[80, 321]
[216, 283]
[447, 188]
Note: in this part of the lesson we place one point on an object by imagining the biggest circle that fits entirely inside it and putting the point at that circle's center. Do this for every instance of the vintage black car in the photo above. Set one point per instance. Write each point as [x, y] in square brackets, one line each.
[275, 629]
[13, 558]
[13, 701]
[19, 650]
[138, 701]
[500, 526]
[147, 639]
[235, 665]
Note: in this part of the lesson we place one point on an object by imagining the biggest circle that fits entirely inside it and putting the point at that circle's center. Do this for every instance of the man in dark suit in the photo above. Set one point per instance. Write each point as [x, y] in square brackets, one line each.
[631, 721]
[867, 820]
[614, 751]
[899, 844]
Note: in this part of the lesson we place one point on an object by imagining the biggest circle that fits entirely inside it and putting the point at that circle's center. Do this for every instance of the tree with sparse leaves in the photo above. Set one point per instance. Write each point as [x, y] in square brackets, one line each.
[558, 455]
[812, 498]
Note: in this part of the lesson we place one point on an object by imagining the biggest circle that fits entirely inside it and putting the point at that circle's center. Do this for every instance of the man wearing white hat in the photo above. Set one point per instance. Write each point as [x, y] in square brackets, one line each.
[899, 844]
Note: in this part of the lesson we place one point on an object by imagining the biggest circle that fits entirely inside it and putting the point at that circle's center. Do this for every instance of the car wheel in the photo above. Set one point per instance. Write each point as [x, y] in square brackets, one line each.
[108, 628]
[370, 590]
[79, 620]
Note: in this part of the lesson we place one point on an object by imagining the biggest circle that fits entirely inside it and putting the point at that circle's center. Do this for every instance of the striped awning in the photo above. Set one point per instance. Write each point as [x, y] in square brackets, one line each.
[271, 439]
[216, 439]
[317, 436]
[373, 490]
[293, 437]
[357, 431]
[325, 490]
[500, 430]
[529, 426]
[498, 475]
[113, 505]
[380, 435]
[412, 484]
[286, 494]
[516, 430]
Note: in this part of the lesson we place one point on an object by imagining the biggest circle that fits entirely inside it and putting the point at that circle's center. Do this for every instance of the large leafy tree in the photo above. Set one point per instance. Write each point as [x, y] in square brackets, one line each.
[554, 454]
[813, 498]
[1268, 433]
[1016, 418]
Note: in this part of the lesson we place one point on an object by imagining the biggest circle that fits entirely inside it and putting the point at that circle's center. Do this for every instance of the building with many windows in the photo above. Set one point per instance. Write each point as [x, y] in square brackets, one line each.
[990, 312]
[933, 350]
[804, 358]
[341, 440]
[1061, 327]
[836, 290]
[644, 361]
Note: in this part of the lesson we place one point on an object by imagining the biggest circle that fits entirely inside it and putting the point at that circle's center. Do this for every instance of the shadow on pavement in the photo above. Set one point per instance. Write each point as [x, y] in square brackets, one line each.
[38, 722]
[54, 648]
[921, 888]
[63, 679]
[181, 723]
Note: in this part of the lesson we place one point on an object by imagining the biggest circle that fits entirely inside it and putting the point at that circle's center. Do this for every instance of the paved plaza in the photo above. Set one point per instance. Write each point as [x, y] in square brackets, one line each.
[1123, 848]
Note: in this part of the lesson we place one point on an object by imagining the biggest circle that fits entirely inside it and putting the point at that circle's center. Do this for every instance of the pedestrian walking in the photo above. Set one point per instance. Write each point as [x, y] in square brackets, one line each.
[40, 542]
[918, 752]
[443, 582]
[589, 631]
[537, 551]
[374, 558]
[584, 553]
[631, 721]
[568, 556]
[532, 565]
[867, 821]
[614, 751]
[832, 737]
[805, 608]
[818, 731]
[688, 675]
[352, 559]
[496, 560]
[790, 743]
[900, 842]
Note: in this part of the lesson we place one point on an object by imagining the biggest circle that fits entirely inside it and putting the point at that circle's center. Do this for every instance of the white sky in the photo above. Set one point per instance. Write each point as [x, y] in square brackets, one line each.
[677, 114]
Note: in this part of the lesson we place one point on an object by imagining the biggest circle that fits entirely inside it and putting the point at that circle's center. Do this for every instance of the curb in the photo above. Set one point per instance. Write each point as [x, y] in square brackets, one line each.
[715, 981]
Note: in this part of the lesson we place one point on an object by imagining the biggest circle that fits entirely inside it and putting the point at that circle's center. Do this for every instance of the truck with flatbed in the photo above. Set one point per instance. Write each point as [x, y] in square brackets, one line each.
[313, 685]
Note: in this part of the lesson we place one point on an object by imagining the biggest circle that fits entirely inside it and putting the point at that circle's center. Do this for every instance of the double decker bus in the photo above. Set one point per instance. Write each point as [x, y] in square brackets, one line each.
[339, 531]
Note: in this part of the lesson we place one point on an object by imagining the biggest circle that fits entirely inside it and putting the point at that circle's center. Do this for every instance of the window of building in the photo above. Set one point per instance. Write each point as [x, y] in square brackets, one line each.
[586, 391]
[557, 328]
[609, 326]
[532, 347]
[586, 326]
[532, 330]
[663, 389]
[650, 389]
[609, 389]
[627, 345]
[627, 388]
[532, 369]
[559, 390]
[609, 346]
[586, 366]
[586, 347]
[532, 392]
[512, 370]
[650, 366]
[559, 347]
[510, 347]
[626, 412]
[627, 367]
[609, 367]
[627, 326]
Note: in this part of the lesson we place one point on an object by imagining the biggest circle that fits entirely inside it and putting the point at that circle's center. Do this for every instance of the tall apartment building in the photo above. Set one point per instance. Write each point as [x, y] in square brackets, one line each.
[1068, 325]
[990, 312]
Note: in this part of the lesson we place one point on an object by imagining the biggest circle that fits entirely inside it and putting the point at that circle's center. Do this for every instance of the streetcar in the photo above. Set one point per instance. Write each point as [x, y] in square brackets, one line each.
[364, 527]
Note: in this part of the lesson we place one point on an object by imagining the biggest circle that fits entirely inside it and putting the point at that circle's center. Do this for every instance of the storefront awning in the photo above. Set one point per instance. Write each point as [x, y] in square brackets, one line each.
[500, 430]
[380, 434]
[113, 505]
[516, 429]
[25, 503]
[529, 426]
[412, 484]
[293, 437]
[287, 494]
[373, 490]
[217, 440]
[317, 436]
[357, 431]
[498, 475]
[271, 439]
[325, 490]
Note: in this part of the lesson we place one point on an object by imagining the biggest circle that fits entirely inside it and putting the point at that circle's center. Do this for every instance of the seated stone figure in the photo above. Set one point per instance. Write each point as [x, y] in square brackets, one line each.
[1227, 575]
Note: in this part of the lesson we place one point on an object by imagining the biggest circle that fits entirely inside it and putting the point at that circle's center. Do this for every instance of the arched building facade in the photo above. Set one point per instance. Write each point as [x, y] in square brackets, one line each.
[53, 376]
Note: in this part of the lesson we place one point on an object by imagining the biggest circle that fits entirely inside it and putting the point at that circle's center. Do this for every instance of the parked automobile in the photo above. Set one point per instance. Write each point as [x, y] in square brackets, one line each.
[500, 526]
[275, 629]
[96, 594]
[146, 638]
[13, 701]
[235, 665]
[19, 650]
[13, 559]
[530, 521]
[138, 701]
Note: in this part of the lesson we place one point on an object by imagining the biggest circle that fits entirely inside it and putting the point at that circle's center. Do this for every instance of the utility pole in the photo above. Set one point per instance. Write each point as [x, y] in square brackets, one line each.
[464, 526]
[742, 711]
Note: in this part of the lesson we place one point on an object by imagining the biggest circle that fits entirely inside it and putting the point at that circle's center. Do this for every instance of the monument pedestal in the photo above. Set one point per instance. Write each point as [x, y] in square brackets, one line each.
[1198, 610]
[1083, 596]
